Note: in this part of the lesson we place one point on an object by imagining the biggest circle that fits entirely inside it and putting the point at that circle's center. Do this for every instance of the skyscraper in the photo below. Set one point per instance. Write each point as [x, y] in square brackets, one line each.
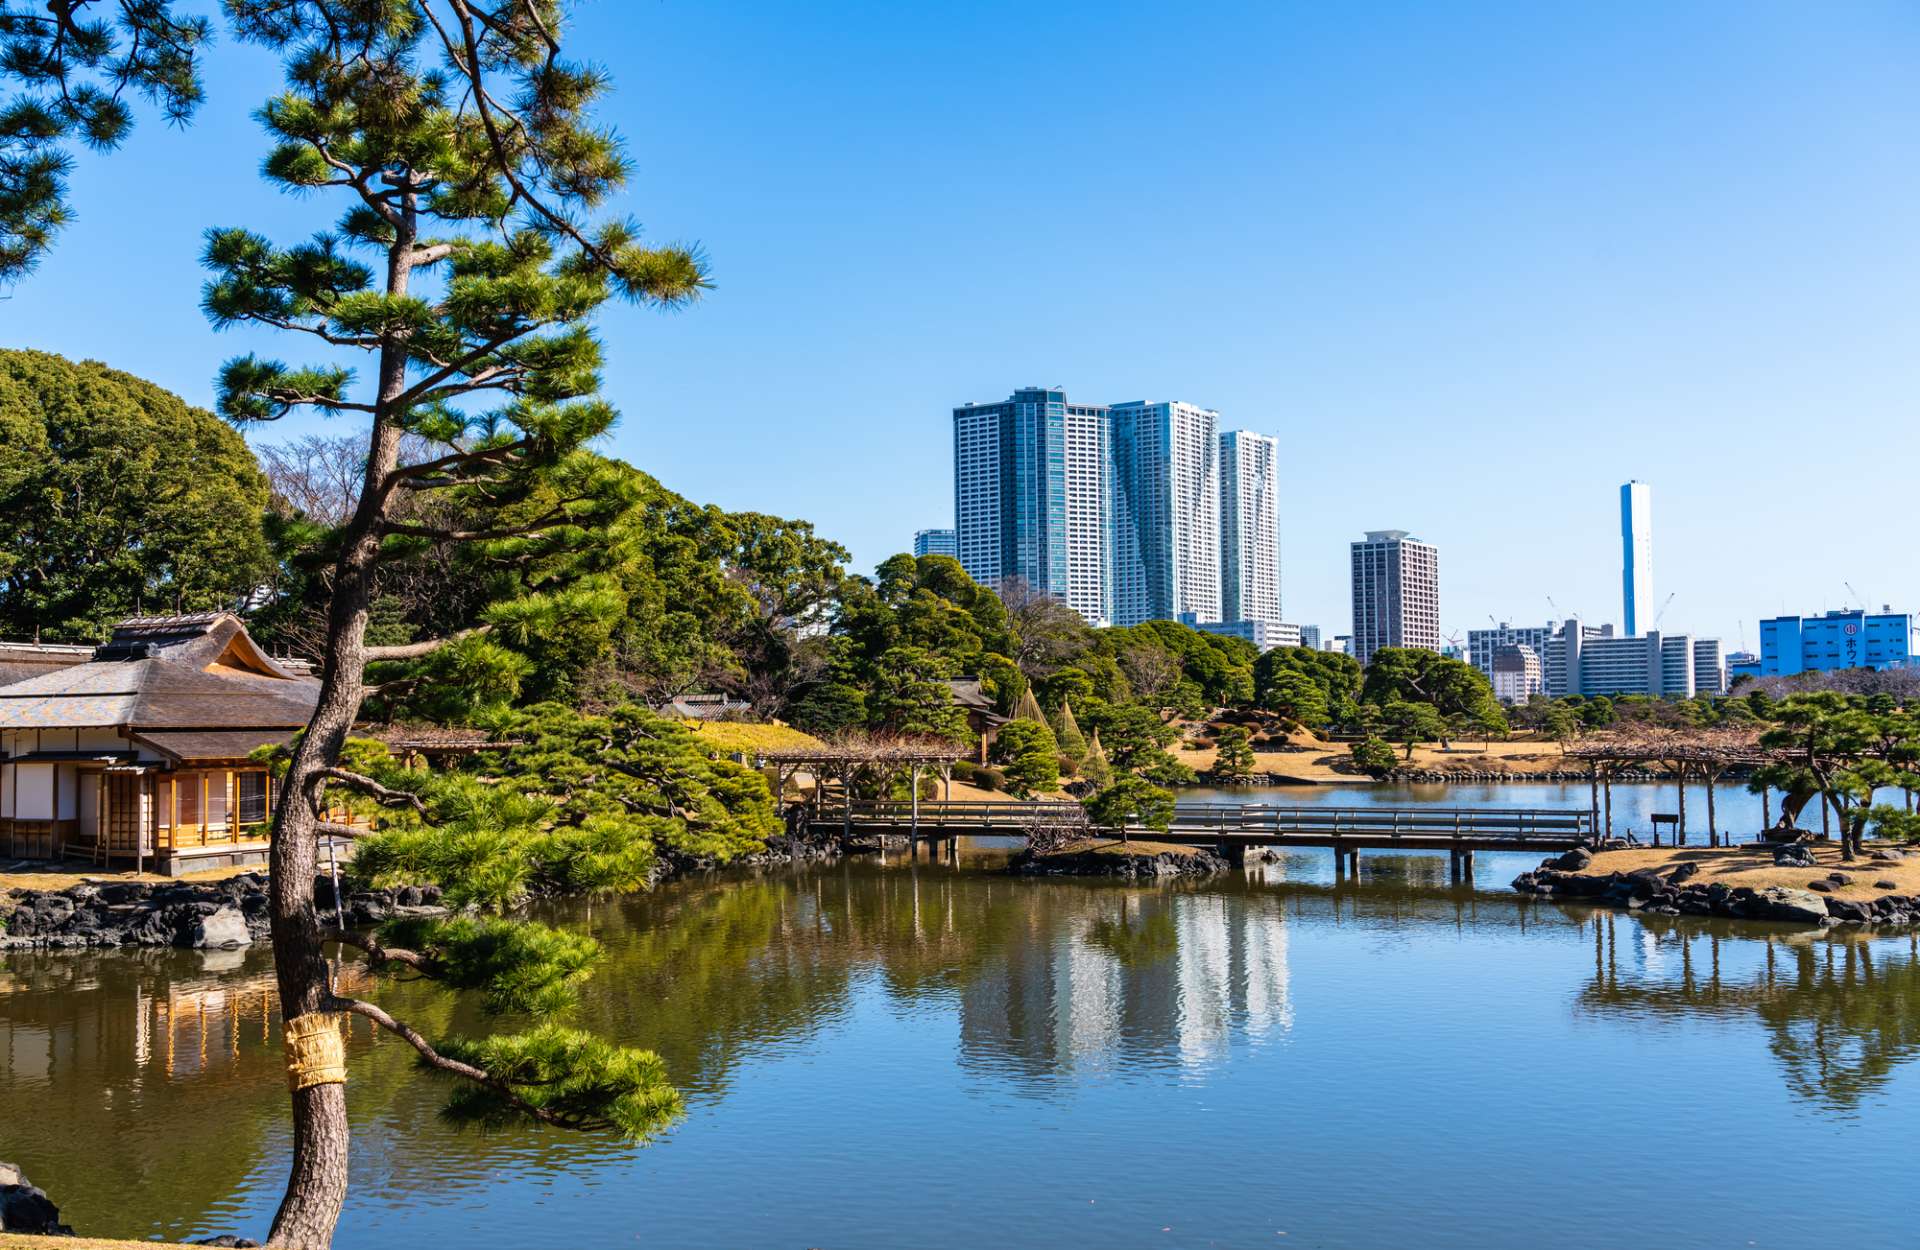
[1636, 553]
[933, 543]
[1031, 483]
[1396, 593]
[1166, 512]
[1249, 526]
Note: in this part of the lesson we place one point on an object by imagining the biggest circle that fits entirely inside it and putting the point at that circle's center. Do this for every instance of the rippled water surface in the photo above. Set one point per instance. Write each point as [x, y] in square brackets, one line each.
[911, 1055]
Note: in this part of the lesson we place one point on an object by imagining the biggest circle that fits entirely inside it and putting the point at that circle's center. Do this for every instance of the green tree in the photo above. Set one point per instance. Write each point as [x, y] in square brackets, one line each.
[1826, 741]
[1315, 688]
[1373, 755]
[116, 498]
[1131, 800]
[459, 136]
[72, 73]
[1136, 739]
[1233, 758]
[1412, 723]
[1413, 675]
[1029, 755]
[1561, 723]
[908, 694]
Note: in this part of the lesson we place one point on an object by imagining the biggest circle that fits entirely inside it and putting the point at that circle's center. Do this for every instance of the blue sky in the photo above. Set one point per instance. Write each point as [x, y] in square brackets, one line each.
[1475, 264]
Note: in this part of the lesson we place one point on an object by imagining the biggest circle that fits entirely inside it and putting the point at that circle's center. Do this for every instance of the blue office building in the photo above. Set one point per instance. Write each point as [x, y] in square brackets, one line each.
[1835, 640]
[1032, 480]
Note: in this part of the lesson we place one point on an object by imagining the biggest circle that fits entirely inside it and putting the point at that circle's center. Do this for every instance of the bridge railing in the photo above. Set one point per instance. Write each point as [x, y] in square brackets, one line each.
[1480, 823]
[1517, 824]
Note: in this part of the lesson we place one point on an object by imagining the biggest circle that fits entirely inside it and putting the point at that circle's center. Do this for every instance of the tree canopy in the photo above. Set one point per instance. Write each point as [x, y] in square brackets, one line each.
[117, 498]
[65, 76]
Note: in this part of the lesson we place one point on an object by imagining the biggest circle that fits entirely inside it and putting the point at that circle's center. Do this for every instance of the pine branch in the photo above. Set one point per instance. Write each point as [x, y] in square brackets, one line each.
[384, 795]
[415, 650]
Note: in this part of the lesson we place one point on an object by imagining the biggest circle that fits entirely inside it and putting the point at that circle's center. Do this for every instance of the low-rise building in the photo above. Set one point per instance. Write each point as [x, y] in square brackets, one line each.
[1741, 664]
[1310, 637]
[1847, 638]
[142, 751]
[1672, 666]
[1517, 674]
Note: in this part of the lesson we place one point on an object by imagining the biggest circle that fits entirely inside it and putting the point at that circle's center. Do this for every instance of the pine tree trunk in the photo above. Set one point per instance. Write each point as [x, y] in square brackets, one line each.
[317, 1187]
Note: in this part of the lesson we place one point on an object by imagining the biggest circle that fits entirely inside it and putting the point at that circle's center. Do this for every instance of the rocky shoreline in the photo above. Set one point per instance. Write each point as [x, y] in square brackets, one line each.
[232, 913]
[1130, 865]
[1672, 892]
[213, 915]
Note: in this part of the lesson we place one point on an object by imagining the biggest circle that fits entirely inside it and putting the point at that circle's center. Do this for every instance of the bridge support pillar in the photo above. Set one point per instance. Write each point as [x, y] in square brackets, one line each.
[1454, 869]
[1234, 853]
[1466, 864]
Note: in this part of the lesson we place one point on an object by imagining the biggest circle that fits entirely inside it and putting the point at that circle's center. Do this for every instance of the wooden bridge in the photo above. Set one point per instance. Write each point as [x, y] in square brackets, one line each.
[1232, 828]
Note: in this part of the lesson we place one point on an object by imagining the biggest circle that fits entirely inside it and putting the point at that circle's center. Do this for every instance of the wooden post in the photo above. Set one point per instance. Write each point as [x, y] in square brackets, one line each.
[1766, 808]
[1680, 830]
[233, 809]
[203, 809]
[1593, 782]
[916, 806]
[1607, 785]
[1713, 829]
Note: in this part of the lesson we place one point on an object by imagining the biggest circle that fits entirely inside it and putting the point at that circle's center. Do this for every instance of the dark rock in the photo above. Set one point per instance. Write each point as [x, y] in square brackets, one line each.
[1794, 855]
[1886, 885]
[1825, 887]
[225, 1239]
[1839, 878]
[25, 1209]
[1849, 911]
[1576, 860]
[1887, 856]
[1685, 872]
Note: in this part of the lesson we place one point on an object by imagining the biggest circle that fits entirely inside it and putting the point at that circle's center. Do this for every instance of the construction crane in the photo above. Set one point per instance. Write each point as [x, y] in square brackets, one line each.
[1556, 609]
[1857, 596]
[1663, 609]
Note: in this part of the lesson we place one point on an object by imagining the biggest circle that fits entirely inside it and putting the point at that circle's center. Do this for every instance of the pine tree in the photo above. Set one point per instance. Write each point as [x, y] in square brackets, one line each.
[1096, 769]
[459, 137]
[1073, 744]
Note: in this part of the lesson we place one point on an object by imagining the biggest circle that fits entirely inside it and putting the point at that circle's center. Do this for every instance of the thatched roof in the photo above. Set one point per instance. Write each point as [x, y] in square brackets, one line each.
[158, 674]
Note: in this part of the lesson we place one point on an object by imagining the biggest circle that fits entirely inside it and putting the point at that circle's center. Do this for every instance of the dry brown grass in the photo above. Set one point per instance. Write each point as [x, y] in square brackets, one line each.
[1114, 846]
[1753, 866]
[59, 874]
[1313, 760]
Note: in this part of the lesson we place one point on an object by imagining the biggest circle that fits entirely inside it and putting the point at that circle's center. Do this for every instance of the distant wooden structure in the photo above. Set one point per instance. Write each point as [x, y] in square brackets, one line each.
[851, 761]
[984, 718]
[1704, 755]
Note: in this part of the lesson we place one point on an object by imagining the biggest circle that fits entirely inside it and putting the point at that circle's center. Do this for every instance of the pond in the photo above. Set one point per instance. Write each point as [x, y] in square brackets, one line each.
[915, 1055]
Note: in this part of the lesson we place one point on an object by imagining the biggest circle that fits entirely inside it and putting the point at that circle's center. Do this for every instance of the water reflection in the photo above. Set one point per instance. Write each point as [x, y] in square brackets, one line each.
[1261, 988]
[1841, 1010]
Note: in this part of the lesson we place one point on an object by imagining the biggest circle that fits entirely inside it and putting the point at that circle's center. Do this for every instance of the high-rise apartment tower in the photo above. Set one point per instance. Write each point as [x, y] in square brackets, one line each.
[1031, 484]
[1249, 526]
[1396, 593]
[1166, 512]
